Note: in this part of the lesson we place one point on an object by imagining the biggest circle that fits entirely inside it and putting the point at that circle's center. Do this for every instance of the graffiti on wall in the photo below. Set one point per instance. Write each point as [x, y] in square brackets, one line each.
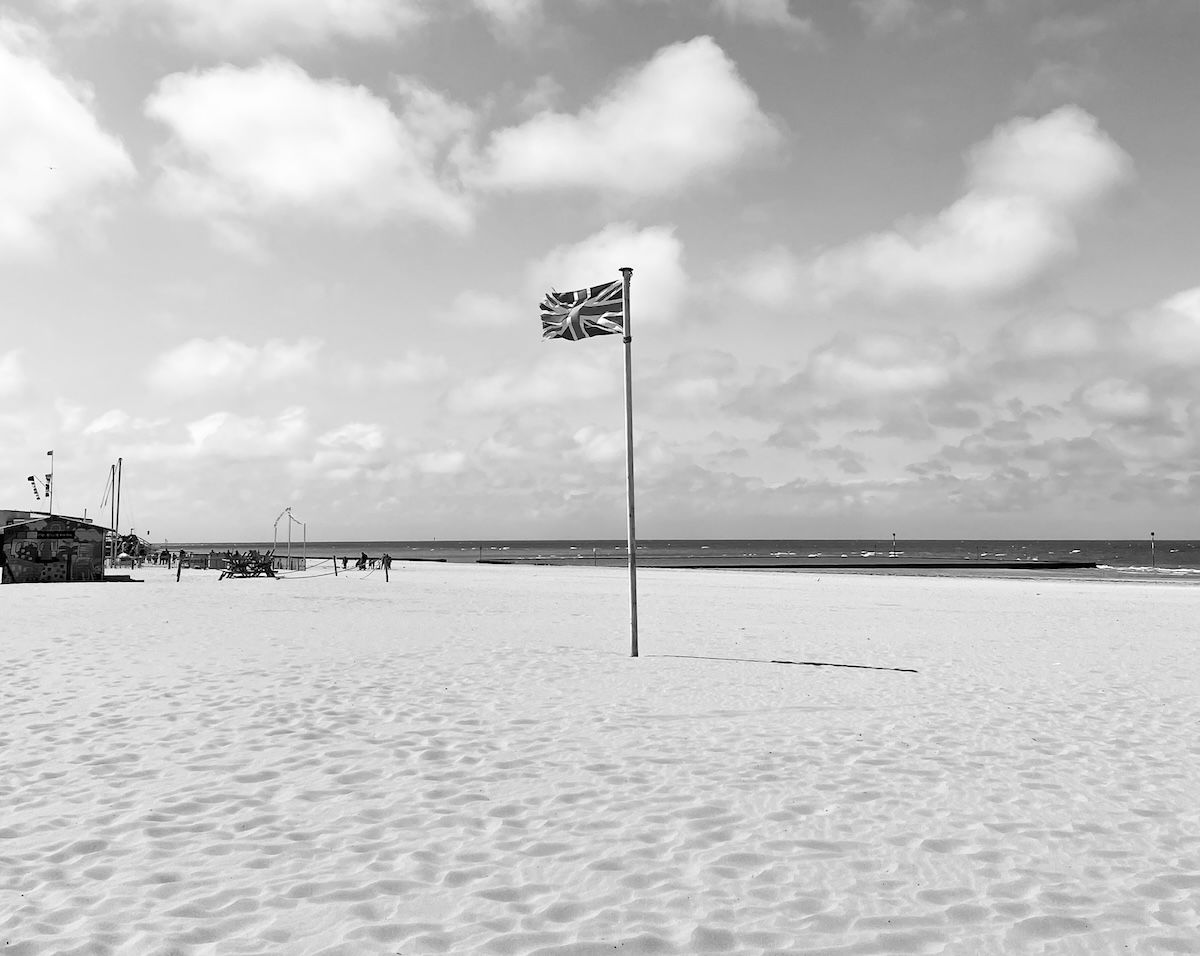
[53, 549]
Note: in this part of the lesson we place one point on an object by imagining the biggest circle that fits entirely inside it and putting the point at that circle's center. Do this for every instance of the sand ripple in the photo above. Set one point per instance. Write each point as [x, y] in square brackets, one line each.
[465, 761]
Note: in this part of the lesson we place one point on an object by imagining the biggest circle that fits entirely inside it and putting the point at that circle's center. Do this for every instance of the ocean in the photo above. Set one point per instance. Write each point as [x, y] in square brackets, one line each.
[1178, 559]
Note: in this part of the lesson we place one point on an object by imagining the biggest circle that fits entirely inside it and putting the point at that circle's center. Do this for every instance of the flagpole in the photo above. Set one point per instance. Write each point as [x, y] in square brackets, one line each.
[51, 504]
[626, 274]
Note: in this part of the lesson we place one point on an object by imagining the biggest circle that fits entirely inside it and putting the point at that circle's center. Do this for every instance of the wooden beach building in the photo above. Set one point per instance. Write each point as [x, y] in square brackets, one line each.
[40, 547]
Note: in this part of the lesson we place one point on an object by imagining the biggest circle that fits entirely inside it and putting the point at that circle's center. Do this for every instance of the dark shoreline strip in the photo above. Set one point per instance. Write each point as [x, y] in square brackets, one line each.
[848, 564]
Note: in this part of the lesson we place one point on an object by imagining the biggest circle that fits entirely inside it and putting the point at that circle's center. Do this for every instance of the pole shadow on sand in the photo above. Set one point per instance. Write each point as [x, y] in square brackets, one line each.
[751, 660]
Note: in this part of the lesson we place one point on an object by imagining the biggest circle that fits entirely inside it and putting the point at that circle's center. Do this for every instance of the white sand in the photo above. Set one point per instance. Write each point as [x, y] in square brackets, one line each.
[466, 760]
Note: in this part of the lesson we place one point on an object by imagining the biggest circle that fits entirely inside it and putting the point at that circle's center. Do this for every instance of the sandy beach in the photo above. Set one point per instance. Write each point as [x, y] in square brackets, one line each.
[466, 760]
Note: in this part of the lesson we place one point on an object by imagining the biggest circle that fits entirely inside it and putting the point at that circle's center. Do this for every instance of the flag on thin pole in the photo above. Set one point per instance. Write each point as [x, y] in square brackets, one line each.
[584, 314]
[50, 483]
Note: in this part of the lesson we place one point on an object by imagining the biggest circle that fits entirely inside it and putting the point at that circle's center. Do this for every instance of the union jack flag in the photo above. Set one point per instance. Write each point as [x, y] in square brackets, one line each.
[583, 313]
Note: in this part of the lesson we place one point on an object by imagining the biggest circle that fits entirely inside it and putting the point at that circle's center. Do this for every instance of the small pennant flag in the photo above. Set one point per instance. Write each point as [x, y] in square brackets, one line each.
[584, 312]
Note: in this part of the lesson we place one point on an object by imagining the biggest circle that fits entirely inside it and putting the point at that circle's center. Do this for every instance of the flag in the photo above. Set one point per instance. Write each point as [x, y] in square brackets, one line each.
[50, 453]
[584, 312]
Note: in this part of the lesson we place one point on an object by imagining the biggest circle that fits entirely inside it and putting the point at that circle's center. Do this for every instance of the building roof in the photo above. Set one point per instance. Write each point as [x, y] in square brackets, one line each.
[36, 516]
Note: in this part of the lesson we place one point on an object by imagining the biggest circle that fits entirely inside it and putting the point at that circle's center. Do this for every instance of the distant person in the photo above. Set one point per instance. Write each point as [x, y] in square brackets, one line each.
[345, 561]
[386, 560]
[362, 562]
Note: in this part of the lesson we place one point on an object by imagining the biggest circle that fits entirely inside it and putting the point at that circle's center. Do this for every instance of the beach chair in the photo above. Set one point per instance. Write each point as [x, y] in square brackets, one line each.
[251, 565]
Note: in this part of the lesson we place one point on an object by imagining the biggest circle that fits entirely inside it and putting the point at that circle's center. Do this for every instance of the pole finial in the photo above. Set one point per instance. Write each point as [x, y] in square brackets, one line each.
[626, 270]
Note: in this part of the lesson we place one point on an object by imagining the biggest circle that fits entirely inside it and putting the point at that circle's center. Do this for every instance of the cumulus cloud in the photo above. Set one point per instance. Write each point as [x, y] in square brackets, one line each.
[886, 16]
[659, 285]
[1168, 334]
[516, 17]
[510, 15]
[898, 385]
[908, 16]
[485, 309]
[255, 26]
[116, 420]
[1118, 401]
[272, 140]
[772, 278]
[883, 364]
[441, 462]
[232, 437]
[363, 436]
[1031, 342]
[229, 435]
[12, 372]
[202, 365]
[553, 381]
[56, 161]
[691, 384]
[345, 454]
[413, 368]
[772, 13]
[1028, 186]
[684, 117]
[599, 446]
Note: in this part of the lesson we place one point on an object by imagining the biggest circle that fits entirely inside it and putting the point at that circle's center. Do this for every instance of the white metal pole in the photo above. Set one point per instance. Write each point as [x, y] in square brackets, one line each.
[626, 274]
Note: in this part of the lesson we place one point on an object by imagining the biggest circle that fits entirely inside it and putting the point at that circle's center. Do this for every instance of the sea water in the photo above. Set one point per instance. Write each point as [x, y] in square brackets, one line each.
[1170, 558]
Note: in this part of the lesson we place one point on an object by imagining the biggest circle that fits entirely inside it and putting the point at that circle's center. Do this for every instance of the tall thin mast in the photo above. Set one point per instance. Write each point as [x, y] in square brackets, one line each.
[626, 274]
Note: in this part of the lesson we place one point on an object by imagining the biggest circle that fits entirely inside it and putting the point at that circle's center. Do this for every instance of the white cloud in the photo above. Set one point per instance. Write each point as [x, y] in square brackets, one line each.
[344, 455]
[1065, 336]
[116, 420]
[684, 117]
[446, 462]
[1118, 401]
[511, 15]
[517, 17]
[1168, 334]
[886, 16]
[771, 279]
[354, 435]
[883, 364]
[691, 383]
[553, 381]
[56, 160]
[413, 368]
[1028, 187]
[774, 13]
[658, 288]
[201, 365]
[271, 140]
[246, 26]
[1063, 161]
[484, 309]
[599, 446]
[112, 420]
[229, 435]
[12, 372]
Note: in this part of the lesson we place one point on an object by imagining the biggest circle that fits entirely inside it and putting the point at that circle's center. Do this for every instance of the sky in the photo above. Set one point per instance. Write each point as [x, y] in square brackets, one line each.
[899, 266]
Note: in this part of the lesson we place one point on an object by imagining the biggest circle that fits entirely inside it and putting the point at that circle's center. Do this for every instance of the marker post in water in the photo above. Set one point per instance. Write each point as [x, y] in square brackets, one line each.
[1152, 562]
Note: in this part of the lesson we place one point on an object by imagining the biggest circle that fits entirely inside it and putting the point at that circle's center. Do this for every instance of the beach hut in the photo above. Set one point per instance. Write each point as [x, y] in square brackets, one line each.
[36, 547]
